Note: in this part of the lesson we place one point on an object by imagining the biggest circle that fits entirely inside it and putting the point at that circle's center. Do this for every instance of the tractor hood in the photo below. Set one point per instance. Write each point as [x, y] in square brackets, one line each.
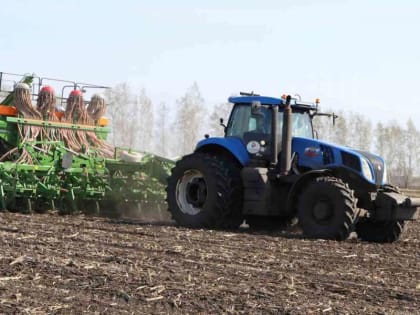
[312, 154]
[315, 154]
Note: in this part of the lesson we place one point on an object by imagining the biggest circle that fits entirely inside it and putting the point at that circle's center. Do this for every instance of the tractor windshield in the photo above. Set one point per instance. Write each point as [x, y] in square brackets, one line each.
[243, 120]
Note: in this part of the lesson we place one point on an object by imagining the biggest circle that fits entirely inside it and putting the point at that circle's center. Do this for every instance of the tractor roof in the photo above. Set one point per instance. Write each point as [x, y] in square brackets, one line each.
[266, 100]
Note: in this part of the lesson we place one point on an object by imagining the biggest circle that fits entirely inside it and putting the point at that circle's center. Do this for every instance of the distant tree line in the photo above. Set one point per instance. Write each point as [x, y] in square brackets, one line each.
[398, 145]
[140, 124]
[170, 131]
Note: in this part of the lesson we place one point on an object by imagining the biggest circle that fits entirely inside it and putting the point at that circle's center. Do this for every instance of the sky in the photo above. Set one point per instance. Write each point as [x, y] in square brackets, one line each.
[361, 56]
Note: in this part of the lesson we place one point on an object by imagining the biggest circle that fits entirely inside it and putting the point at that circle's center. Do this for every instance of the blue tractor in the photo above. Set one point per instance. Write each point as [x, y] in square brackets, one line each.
[269, 169]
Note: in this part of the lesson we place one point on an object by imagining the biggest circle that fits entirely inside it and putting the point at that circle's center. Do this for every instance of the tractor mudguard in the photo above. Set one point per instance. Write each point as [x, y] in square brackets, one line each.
[395, 206]
[232, 144]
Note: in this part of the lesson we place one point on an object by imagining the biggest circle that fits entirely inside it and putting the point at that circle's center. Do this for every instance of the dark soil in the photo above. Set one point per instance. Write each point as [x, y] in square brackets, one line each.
[51, 264]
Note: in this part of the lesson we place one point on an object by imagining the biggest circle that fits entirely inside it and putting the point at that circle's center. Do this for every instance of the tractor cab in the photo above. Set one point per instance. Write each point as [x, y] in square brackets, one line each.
[251, 121]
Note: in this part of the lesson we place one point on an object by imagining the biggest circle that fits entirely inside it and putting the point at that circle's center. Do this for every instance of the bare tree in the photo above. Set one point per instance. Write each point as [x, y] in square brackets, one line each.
[327, 131]
[220, 110]
[359, 132]
[144, 125]
[389, 138]
[120, 109]
[411, 147]
[189, 120]
[323, 127]
[340, 134]
[131, 118]
[380, 139]
[350, 129]
[161, 131]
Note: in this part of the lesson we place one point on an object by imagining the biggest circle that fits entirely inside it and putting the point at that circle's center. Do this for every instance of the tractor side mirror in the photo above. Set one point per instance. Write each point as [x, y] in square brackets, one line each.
[334, 117]
[256, 108]
[329, 115]
[222, 123]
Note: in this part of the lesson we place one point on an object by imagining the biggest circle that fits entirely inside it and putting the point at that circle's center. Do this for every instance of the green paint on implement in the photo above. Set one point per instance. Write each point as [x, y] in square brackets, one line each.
[59, 177]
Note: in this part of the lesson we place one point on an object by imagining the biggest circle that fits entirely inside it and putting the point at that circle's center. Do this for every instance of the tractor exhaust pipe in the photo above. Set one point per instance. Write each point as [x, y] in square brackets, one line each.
[274, 145]
[286, 140]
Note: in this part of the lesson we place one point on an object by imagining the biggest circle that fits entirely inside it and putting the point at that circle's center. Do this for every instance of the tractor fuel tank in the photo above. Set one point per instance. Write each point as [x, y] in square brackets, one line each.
[263, 196]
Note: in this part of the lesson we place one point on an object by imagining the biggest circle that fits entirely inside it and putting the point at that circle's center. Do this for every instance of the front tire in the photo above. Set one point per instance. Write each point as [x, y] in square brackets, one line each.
[327, 209]
[204, 193]
[379, 231]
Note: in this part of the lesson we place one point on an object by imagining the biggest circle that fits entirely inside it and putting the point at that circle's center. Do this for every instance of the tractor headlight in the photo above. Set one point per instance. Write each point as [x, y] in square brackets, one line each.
[366, 170]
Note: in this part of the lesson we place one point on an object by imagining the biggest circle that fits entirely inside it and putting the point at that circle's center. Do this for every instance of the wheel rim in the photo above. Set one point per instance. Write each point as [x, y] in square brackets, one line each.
[191, 192]
[323, 211]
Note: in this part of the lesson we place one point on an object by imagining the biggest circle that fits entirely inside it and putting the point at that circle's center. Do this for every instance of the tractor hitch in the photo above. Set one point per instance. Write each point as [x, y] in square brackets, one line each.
[395, 206]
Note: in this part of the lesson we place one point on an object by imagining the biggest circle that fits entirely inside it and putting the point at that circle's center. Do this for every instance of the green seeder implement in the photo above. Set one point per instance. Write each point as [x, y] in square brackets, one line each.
[54, 155]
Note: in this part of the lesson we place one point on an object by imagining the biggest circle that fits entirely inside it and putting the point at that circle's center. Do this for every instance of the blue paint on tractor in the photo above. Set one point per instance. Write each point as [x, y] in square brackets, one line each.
[312, 153]
[266, 100]
[249, 99]
[328, 155]
[232, 144]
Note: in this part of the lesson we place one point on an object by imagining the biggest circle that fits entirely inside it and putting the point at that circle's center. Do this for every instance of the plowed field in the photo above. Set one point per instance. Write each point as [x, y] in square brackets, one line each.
[51, 264]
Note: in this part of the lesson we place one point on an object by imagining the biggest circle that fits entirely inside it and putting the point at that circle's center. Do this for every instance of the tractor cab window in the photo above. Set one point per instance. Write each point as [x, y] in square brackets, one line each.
[244, 121]
[301, 124]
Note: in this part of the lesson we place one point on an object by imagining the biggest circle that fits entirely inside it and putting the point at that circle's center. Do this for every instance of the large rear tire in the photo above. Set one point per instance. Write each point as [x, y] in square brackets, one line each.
[205, 192]
[327, 209]
[379, 231]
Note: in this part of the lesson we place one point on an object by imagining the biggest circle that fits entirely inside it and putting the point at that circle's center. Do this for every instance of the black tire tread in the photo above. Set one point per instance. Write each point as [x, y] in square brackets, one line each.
[224, 212]
[379, 231]
[231, 216]
[350, 209]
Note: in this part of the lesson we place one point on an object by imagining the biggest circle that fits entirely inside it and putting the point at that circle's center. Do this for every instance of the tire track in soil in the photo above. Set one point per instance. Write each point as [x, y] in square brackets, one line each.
[76, 264]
